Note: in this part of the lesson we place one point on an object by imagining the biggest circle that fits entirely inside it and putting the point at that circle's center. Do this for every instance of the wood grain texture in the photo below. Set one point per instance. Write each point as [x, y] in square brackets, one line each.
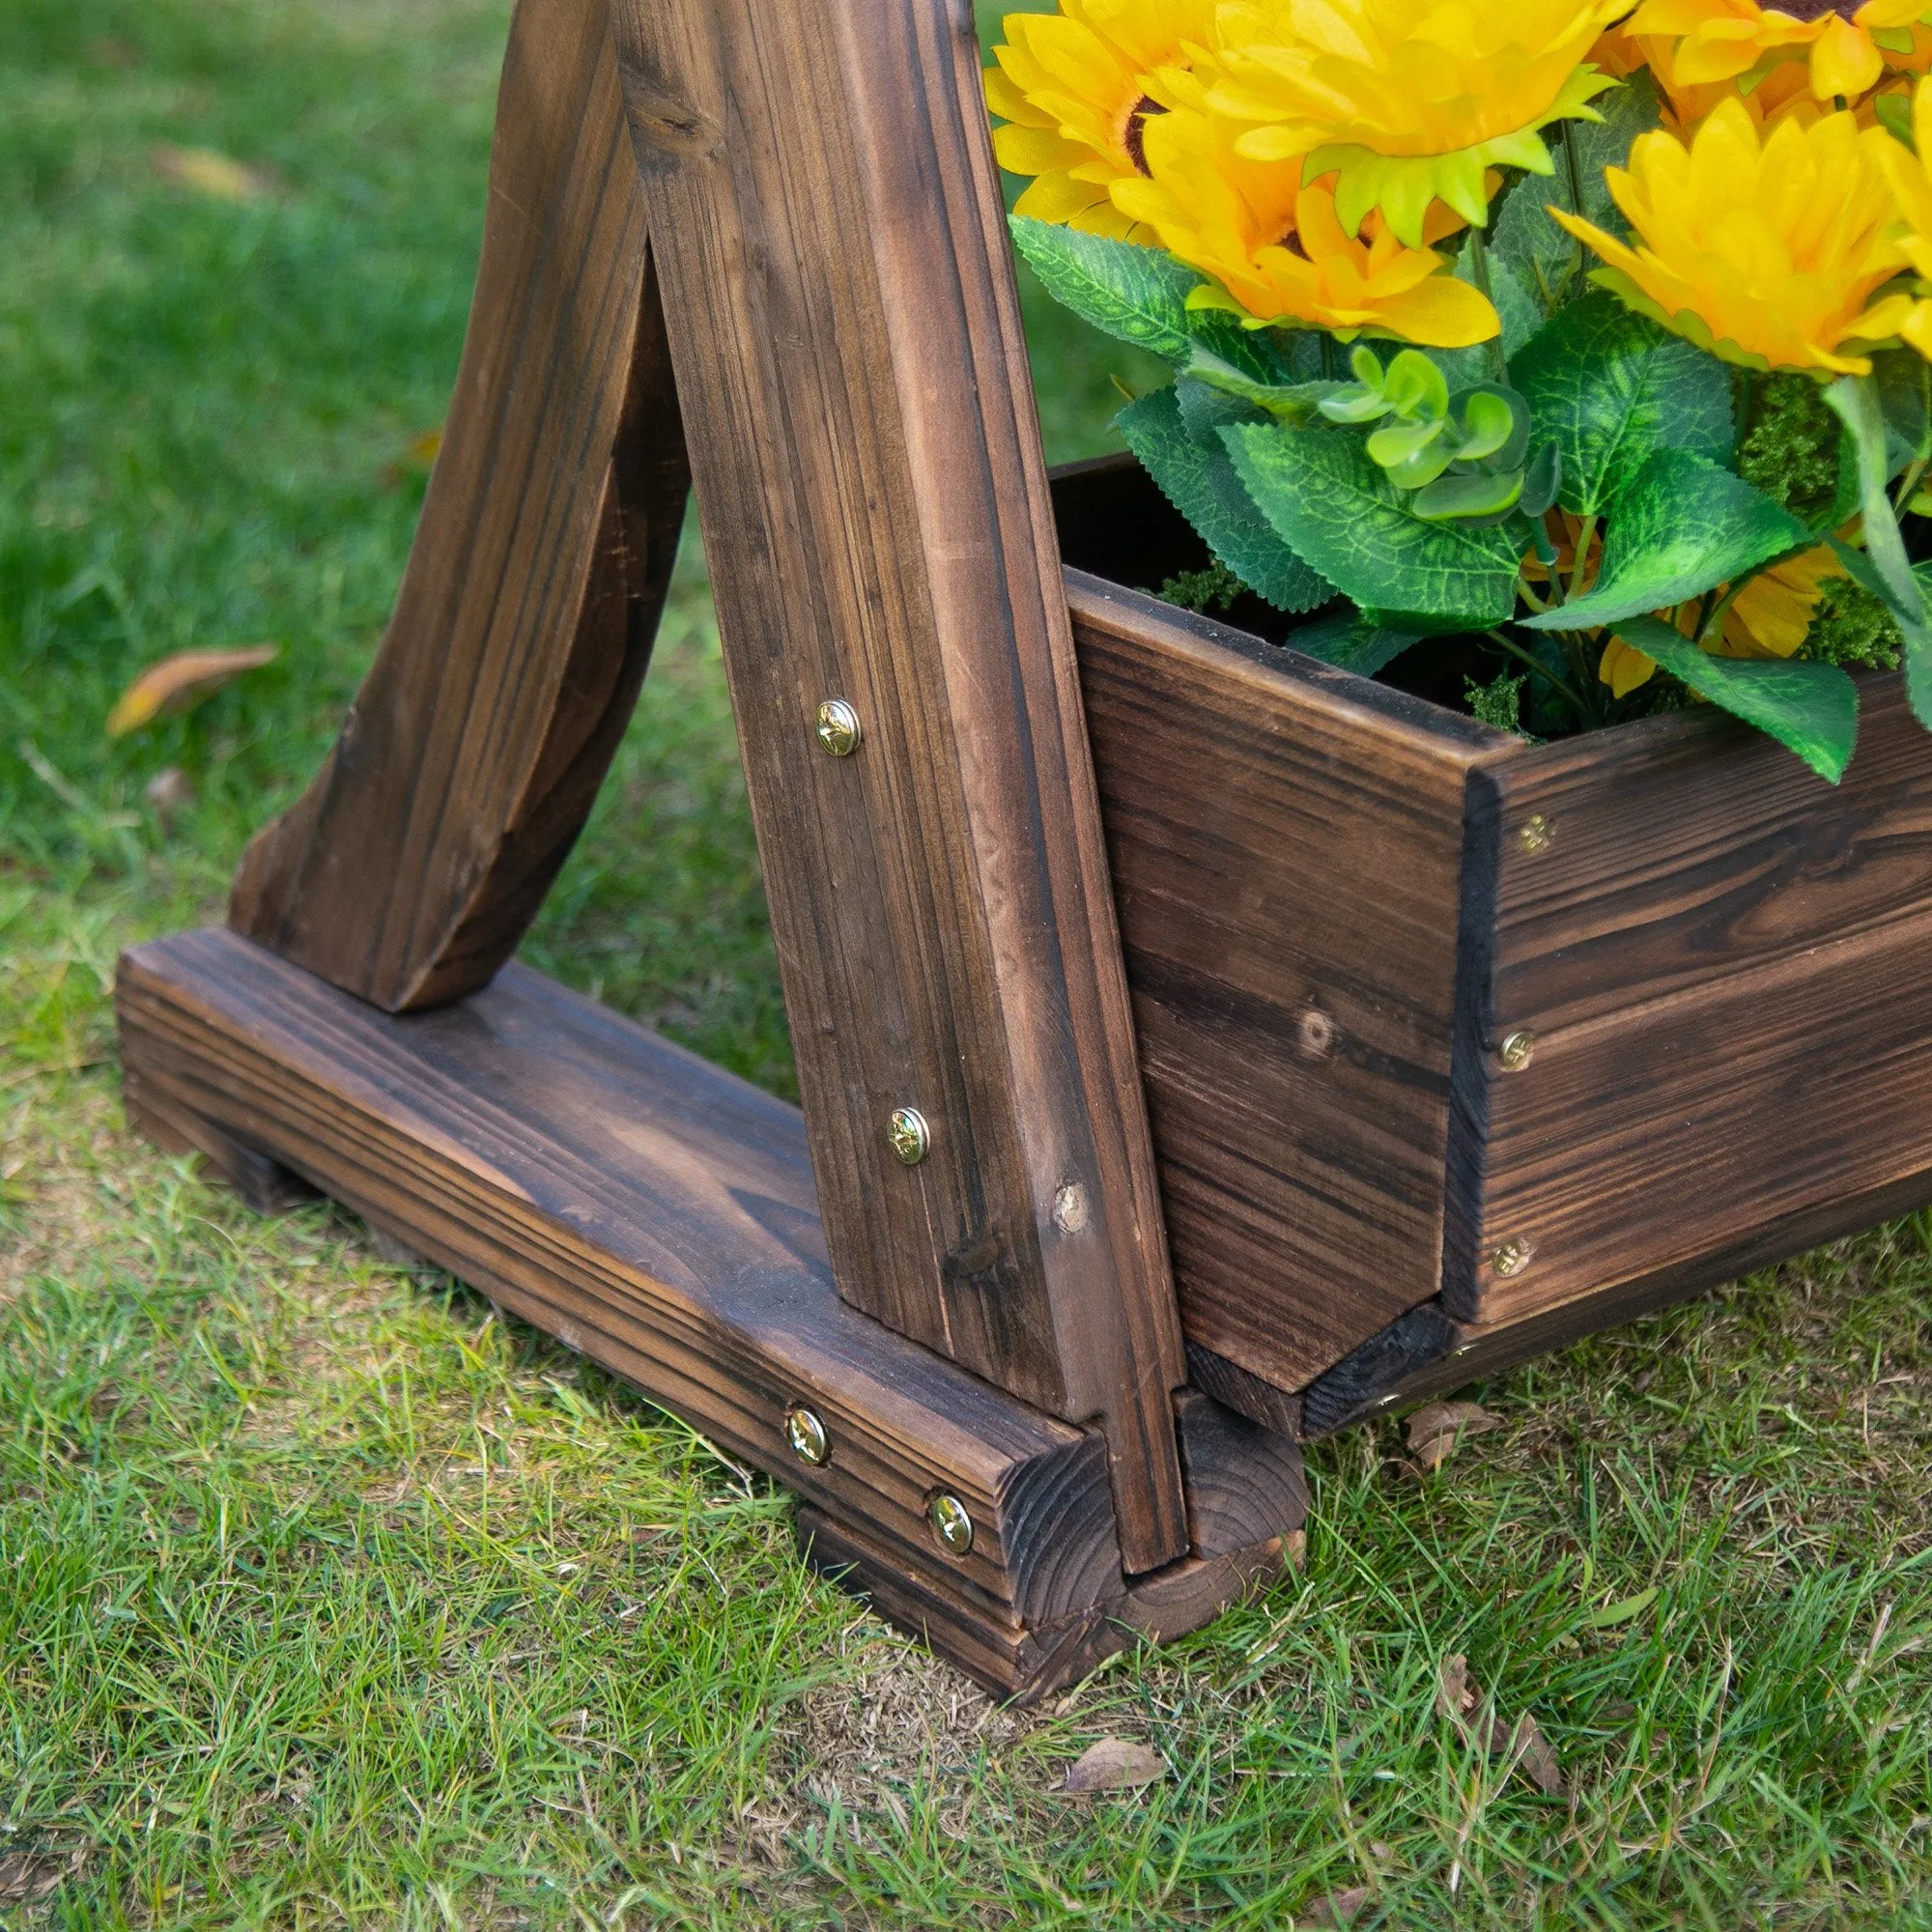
[622, 1194]
[658, 1215]
[1287, 845]
[822, 197]
[1674, 1127]
[408, 870]
[1714, 954]
[1433, 1353]
[1688, 846]
[1247, 1496]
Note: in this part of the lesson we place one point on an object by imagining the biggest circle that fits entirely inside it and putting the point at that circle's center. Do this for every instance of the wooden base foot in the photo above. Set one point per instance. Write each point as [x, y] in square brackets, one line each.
[658, 1215]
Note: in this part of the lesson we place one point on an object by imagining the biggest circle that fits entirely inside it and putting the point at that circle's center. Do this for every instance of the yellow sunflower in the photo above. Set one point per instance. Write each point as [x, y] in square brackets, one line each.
[1770, 617]
[1763, 248]
[1913, 188]
[1076, 90]
[1316, 276]
[1408, 101]
[1622, 51]
[1846, 46]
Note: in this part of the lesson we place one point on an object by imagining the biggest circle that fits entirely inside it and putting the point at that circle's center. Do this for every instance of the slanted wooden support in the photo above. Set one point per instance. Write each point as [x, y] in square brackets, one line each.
[826, 218]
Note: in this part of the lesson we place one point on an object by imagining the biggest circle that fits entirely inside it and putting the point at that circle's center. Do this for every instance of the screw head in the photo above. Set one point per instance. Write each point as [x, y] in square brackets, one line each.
[950, 1523]
[1517, 1049]
[910, 1136]
[839, 727]
[1535, 833]
[1315, 1034]
[1513, 1256]
[806, 1435]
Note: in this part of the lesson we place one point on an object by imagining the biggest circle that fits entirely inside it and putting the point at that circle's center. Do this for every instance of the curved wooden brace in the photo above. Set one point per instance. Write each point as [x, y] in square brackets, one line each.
[408, 870]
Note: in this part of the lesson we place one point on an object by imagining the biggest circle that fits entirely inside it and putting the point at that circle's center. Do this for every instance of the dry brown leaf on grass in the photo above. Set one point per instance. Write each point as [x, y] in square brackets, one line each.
[1438, 1429]
[1474, 1716]
[179, 682]
[1114, 1764]
[27, 1877]
[1334, 1908]
[209, 173]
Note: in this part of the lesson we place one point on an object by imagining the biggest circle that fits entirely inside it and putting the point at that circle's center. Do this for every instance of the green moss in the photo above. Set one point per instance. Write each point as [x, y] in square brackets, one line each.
[1790, 450]
[1214, 588]
[1851, 627]
[1498, 703]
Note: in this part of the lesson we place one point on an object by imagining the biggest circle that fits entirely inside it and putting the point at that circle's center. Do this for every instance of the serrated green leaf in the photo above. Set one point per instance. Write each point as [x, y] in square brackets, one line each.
[1319, 489]
[1135, 295]
[1679, 528]
[1205, 409]
[1197, 477]
[1546, 260]
[1609, 388]
[1904, 380]
[1811, 709]
[1352, 640]
[1518, 306]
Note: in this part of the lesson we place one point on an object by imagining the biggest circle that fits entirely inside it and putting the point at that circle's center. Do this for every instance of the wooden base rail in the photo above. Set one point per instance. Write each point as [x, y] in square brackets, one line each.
[658, 1215]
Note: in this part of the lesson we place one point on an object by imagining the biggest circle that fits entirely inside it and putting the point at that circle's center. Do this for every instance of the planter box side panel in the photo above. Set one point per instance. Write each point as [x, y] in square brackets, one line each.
[1286, 844]
[1717, 957]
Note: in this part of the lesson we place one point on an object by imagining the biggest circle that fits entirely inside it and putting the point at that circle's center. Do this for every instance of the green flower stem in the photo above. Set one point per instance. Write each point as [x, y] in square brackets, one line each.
[1586, 532]
[1573, 168]
[1560, 685]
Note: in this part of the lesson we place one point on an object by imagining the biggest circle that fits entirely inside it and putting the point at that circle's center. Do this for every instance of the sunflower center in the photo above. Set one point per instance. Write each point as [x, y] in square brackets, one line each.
[1134, 138]
[1816, 10]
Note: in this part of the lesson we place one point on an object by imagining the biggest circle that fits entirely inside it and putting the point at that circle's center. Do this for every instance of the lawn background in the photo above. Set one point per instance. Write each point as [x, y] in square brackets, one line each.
[325, 1596]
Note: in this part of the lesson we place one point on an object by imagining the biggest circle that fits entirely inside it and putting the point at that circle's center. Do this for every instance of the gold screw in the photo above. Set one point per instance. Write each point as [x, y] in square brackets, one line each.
[806, 1436]
[1515, 1050]
[910, 1136]
[1512, 1258]
[1535, 833]
[839, 727]
[951, 1523]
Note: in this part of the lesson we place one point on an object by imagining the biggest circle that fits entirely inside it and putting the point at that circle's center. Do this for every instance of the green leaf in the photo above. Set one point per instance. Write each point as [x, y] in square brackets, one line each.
[1545, 259]
[1293, 402]
[1610, 389]
[1680, 526]
[1196, 476]
[1904, 380]
[1626, 1611]
[1397, 441]
[1318, 486]
[1478, 494]
[1811, 709]
[1859, 405]
[1135, 295]
[1352, 640]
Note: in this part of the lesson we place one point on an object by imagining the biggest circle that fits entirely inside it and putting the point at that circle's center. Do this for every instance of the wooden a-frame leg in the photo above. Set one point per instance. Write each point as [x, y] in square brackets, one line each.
[408, 870]
[940, 899]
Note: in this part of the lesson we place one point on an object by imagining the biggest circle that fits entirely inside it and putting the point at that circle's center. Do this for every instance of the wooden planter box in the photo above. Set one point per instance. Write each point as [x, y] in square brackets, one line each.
[1457, 1046]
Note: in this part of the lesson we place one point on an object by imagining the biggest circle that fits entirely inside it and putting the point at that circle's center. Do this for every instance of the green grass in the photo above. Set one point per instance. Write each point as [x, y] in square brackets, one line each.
[328, 1598]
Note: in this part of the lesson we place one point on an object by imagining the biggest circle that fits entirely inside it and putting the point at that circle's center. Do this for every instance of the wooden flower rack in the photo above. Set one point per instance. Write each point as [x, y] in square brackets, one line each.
[1416, 1048]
